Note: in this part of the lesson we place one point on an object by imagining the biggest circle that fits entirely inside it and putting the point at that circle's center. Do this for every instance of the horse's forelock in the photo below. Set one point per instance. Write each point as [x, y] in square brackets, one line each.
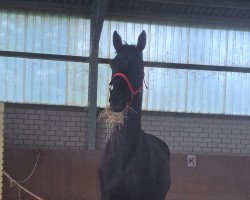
[126, 48]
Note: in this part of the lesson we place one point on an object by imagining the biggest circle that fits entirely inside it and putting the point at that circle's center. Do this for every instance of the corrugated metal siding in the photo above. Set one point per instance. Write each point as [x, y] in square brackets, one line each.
[188, 91]
[183, 44]
[64, 83]
[104, 74]
[43, 82]
[197, 91]
[39, 81]
[44, 33]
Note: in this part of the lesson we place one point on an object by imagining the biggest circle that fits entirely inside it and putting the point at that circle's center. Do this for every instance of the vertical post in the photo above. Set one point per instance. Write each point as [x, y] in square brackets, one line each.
[97, 17]
[1, 147]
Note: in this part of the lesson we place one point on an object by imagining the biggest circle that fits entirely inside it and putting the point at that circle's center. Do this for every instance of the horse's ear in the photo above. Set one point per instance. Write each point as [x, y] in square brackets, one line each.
[141, 43]
[117, 41]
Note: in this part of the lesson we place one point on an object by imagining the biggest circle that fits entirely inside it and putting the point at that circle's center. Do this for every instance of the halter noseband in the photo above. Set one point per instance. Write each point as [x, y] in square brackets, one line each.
[133, 91]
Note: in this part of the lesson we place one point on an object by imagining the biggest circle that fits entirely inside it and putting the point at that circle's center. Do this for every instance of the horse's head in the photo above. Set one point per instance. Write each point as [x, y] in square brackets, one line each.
[127, 72]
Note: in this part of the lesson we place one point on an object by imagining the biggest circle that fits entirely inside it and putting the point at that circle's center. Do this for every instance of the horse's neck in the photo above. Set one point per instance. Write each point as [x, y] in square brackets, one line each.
[131, 129]
[127, 138]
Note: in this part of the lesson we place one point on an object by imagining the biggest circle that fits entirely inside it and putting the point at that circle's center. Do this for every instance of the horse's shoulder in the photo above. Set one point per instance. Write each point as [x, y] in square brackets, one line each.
[157, 143]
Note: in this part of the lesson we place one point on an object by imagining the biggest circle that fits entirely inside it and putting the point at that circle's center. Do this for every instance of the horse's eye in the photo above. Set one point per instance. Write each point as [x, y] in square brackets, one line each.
[111, 87]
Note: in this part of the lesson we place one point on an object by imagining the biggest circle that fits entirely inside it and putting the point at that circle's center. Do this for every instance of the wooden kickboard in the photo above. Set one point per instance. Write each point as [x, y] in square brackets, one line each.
[1, 146]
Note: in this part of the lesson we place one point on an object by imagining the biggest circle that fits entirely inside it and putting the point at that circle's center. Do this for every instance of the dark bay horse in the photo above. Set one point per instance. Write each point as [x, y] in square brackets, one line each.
[134, 164]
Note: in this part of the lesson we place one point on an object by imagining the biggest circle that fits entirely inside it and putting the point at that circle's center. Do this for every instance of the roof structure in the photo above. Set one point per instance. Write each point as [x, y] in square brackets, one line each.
[196, 11]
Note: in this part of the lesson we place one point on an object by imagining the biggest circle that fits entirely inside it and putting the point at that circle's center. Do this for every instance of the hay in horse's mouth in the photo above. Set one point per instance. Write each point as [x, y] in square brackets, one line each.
[114, 120]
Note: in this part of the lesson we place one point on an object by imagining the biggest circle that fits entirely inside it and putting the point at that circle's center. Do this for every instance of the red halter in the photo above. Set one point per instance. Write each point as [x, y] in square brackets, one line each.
[133, 91]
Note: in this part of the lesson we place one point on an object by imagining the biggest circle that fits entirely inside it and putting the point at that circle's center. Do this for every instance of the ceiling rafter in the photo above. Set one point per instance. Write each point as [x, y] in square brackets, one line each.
[244, 5]
[227, 12]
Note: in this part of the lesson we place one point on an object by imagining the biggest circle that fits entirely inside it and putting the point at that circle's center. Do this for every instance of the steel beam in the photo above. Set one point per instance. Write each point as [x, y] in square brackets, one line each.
[43, 56]
[188, 66]
[232, 4]
[97, 17]
[83, 59]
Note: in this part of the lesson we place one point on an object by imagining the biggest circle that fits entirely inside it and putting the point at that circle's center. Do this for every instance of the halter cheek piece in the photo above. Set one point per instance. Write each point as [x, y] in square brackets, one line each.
[133, 91]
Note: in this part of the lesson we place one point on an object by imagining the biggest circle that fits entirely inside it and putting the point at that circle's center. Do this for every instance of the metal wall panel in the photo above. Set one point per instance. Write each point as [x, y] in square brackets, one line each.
[183, 44]
[64, 83]
[44, 33]
[104, 75]
[188, 91]
[43, 82]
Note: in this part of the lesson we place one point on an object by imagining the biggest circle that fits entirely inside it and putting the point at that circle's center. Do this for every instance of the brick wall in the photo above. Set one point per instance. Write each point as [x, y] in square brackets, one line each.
[38, 126]
[206, 134]
[195, 133]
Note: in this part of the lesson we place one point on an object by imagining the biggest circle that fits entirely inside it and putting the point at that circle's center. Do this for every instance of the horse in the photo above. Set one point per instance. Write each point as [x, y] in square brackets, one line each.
[134, 165]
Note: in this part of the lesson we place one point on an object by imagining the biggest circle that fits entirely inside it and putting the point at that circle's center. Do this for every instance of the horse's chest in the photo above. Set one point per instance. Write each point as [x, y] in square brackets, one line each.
[128, 177]
[128, 180]
[128, 184]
